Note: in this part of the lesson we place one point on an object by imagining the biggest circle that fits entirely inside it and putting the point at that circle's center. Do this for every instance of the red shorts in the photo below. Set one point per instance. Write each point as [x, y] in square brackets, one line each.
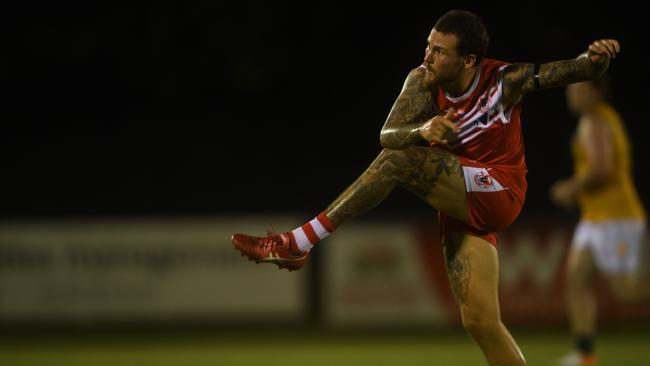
[495, 196]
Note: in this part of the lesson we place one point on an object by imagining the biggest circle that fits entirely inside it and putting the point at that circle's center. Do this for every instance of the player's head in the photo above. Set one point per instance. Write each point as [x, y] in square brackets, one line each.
[585, 95]
[458, 40]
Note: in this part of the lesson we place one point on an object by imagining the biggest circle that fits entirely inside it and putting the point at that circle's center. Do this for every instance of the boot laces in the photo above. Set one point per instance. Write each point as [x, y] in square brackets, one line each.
[272, 240]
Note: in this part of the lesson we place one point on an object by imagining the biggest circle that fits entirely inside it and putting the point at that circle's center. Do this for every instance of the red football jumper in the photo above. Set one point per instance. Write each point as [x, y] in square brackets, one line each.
[491, 150]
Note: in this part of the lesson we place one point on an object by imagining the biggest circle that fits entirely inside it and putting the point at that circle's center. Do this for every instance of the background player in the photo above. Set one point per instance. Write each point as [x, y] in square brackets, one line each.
[612, 219]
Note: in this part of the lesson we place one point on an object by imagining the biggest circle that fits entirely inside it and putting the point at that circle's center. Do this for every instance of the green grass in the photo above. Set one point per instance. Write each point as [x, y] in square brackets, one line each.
[307, 349]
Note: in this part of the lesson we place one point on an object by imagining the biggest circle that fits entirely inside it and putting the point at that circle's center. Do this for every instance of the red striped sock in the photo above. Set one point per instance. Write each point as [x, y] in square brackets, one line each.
[307, 235]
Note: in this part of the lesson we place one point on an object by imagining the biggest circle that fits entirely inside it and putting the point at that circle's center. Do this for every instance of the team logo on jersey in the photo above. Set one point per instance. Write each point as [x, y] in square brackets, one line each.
[483, 102]
[483, 179]
[484, 110]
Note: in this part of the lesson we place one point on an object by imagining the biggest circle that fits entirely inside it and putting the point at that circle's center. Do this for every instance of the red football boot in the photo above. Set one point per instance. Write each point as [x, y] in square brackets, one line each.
[279, 249]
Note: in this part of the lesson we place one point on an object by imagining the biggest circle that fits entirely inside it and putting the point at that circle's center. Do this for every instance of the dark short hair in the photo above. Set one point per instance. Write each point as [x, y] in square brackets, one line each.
[472, 34]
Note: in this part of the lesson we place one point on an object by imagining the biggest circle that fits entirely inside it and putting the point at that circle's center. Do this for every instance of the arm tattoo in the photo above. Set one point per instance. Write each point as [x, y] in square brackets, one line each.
[564, 72]
[413, 107]
[518, 79]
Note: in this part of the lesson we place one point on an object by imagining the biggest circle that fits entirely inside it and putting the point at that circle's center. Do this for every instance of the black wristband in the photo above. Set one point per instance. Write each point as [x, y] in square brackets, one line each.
[536, 75]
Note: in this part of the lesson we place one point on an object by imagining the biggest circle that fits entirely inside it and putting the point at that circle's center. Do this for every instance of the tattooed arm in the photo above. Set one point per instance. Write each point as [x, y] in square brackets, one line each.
[412, 108]
[519, 79]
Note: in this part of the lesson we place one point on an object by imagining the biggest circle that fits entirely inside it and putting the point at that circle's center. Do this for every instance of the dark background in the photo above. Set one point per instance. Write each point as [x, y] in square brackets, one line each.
[196, 107]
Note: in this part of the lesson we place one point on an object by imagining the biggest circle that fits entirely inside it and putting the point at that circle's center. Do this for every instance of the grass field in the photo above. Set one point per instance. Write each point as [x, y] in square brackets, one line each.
[244, 349]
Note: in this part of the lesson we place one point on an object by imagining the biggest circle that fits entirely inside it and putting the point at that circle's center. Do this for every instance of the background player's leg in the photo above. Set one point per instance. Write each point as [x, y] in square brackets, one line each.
[629, 288]
[473, 271]
[626, 255]
[432, 174]
[581, 299]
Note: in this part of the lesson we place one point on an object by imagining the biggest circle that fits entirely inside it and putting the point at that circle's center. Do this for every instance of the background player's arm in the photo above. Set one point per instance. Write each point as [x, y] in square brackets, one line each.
[597, 140]
[519, 79]
[413, 107]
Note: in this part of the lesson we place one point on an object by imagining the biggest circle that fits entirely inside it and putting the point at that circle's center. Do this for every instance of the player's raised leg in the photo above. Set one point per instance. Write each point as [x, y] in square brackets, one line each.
[473, 270]
[432, 174]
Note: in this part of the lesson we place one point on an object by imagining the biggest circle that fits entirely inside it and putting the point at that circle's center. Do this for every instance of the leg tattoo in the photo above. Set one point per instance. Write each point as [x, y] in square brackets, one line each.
[458, 270]
[417, 169]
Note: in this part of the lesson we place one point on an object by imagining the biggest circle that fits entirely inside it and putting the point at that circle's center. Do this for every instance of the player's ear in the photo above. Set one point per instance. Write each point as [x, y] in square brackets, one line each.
[470, 60]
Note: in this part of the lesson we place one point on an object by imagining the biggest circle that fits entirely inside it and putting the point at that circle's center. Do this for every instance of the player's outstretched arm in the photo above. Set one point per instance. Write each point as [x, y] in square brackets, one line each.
[522, 78]
[413, 107]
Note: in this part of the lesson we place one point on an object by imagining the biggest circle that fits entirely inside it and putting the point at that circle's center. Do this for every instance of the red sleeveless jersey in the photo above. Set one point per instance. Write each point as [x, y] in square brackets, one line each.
[489, 134]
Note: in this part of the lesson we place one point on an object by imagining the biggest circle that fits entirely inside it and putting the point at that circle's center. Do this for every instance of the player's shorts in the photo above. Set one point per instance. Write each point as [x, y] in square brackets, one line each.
[495, 197]
[615, 245]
